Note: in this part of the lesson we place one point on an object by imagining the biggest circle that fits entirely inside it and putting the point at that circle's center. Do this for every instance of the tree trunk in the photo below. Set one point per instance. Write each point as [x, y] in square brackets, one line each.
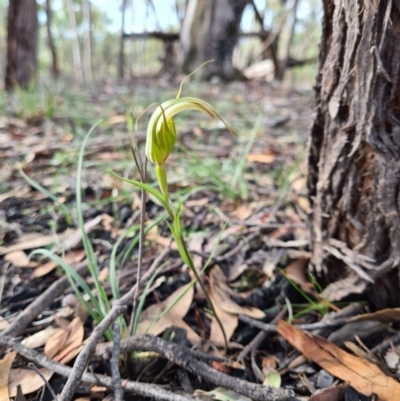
[87, 44]
[121, 57]
[54, 63]
[354, 151]
[21, 43]
[76, 52]
[210, 31]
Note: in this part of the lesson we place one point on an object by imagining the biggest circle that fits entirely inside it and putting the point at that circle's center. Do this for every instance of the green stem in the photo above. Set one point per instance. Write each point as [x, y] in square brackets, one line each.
[162, 180]
[196, 274]
[163, 184]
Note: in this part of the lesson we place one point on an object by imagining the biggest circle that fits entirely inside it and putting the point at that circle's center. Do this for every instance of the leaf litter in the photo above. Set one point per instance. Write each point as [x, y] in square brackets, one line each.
[249, 233]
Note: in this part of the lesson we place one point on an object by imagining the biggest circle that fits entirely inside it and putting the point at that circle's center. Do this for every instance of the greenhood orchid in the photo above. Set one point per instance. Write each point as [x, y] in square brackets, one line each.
[161, 132]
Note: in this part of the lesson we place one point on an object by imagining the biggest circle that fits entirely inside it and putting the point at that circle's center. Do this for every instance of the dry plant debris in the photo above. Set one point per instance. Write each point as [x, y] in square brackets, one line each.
[248, 223]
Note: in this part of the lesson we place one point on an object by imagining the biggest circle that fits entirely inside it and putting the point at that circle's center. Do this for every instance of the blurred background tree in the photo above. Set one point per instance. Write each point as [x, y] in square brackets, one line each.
[210, 30]
[22, 29]
[94, 39]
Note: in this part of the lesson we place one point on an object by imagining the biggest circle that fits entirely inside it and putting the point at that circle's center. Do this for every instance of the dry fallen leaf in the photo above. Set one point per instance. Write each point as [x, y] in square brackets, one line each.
[55, 343]
[174, 317]
[65, 241]
[228, 320]
[5, 366]
[70, 239]
[28, 241]
[154, 236]
[28, 379]
[296, 271]
[261, 158]
[362, 375]
[384, 316]
[17, 258]
[70, 258]
[303, 203]
[220, 292]
[73, 344]
[299, 184]
[39, 339]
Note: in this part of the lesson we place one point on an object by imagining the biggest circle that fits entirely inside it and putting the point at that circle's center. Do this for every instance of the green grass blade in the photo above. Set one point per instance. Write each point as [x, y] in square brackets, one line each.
[91, 257]
[142, 299]
[76, 280]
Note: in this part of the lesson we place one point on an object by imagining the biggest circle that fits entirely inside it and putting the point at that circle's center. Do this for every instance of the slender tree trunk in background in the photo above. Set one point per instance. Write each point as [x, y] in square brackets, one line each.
[76, 53]
[354, 150]
[210, 31]
[284, 63]
[87, 44]
[270, 51]
[21, 43]
[121, 57]
[54, 64]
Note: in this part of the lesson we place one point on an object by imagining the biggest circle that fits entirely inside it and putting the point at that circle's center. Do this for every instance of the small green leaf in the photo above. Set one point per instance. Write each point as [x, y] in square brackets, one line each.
[159, 197]
[177, 219]
[273, 379]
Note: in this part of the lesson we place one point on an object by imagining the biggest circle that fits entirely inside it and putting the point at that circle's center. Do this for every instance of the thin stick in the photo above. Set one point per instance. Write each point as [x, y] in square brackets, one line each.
[310, 326]
[116, 376]
[103, 352]
[39, 373]
[142, 168]
[181, 357]
[146, 390]
[83, 357]
[260, 337]
[3, 274]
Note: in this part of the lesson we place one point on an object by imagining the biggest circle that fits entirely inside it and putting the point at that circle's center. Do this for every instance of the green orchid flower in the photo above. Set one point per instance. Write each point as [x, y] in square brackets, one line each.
[161, 132]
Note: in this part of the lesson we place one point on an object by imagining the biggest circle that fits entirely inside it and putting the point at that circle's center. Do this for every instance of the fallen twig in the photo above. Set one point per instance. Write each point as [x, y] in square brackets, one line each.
[143, 389]
[260, 337]
[268, 327]
[116, 376]
[40, 304]
[181, 357]
[83, 358]
[39, 373]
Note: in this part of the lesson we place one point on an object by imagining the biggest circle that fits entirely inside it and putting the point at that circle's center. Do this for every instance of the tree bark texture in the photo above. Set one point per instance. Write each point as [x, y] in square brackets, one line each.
[354, 150]
[210, 31]
[21, 43]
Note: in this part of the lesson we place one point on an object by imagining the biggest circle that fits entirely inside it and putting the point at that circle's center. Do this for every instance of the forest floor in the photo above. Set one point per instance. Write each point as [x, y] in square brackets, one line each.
[244, 217]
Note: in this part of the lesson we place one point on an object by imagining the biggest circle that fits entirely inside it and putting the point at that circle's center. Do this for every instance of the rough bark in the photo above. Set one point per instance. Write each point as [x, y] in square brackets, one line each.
[54, 59]
[21, 43]
[210, 31]
[354, 150]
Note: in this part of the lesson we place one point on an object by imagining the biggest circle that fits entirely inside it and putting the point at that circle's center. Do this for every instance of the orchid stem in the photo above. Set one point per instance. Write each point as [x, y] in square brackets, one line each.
[162, 181]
